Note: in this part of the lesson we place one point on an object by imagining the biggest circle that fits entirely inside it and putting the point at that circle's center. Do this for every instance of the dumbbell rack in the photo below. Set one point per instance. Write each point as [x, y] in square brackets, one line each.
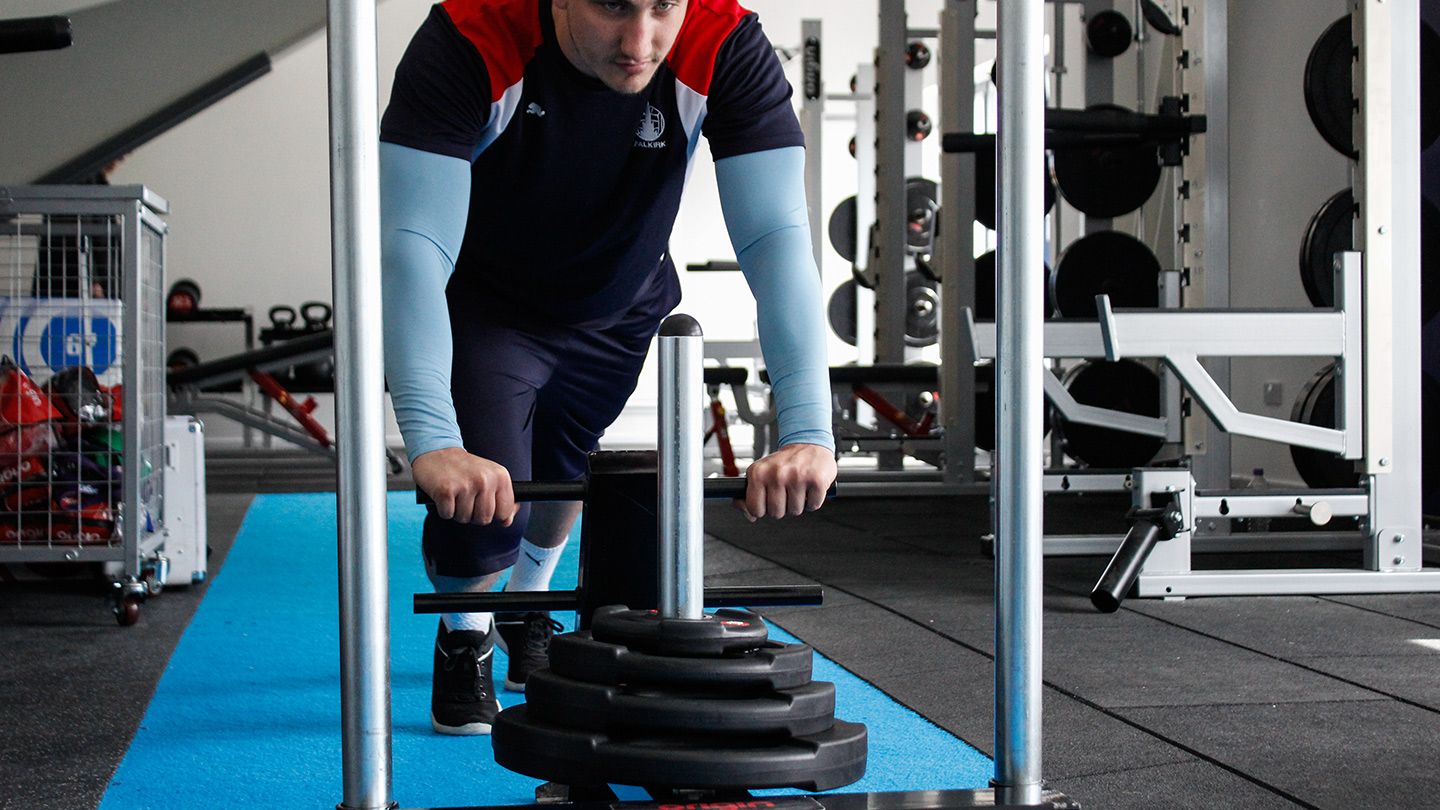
[82, 283]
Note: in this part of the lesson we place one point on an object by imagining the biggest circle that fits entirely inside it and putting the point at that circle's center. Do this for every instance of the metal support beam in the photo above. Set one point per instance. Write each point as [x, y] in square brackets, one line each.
[360, 406]
[1020, 386]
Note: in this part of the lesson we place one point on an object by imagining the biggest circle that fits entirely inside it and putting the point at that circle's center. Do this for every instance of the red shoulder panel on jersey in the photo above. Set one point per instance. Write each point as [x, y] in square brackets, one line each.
[505, 32]
[707, 24]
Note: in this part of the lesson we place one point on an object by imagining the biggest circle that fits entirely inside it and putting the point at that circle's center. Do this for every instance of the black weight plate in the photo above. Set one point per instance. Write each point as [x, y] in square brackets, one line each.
[1429, 260]
[920, 195]
[1108, 33]
[1331, 231]
[1105, 263]
[985, 188]
[773, 666]
[841, 311]
[1316, 406]
[985, 409]
[985, 288]
[1108, 180]
[726, 631]
[1328, 94]
[922, 311]
[842, 229]
[823, 761]
[1429, 85]
[1121, 386]
[557, 700]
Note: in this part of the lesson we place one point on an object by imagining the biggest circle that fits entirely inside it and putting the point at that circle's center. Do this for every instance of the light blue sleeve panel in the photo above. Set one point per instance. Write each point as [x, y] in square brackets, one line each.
[424, 203]
[762, 195]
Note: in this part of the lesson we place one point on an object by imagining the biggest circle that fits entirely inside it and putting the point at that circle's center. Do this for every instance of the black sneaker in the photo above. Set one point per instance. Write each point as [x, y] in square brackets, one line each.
[462, 694]
[525, 637]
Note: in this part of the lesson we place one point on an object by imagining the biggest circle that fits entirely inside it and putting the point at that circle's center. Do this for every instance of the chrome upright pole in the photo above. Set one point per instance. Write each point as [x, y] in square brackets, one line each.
[1020, 390]
[359, 405]
[682, 533]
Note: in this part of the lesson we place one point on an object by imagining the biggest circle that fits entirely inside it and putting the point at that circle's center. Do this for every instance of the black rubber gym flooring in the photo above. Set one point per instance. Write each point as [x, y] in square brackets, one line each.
[1235, 703]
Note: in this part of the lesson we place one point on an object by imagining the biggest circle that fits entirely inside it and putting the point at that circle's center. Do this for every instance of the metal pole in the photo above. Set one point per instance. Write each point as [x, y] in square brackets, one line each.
[682, 531]
[1020, 389]
[359, 405]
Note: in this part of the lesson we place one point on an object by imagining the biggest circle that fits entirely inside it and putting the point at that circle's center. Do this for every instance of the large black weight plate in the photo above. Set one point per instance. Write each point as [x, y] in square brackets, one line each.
[985, 301]
[1105, 263]
[1121, 386]
[823, 761]
[985, 189]
[985, 408]
[841, 229]
[1331, 231]
[920, 195]
[922, 311]
[1108, 180]
[561, 701]
[773, 666]
[724, 632]
[1108, 33]
[1429, 85]
[1429, 260]
[1328, 94]
[1316, 406]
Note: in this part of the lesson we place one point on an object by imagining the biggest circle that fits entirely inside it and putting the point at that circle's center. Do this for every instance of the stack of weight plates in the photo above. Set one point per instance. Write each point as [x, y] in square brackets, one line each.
[706, 703]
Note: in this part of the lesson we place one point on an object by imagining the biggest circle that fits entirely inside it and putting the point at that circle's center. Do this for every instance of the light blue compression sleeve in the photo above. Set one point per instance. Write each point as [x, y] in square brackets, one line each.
[762, 195]
[424, 202]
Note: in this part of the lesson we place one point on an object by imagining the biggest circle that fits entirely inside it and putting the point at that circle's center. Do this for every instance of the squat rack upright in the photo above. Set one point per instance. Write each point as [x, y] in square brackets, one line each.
[355, 233]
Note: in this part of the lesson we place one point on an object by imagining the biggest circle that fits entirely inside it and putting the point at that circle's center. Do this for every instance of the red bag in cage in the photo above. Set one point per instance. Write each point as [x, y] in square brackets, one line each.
[14, 531]
[27, 498]
[21, 400]
[90, 525]
[25, 468]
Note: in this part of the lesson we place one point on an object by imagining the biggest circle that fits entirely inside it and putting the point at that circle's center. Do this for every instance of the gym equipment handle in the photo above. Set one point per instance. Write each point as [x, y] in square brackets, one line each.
[715, 489]
[35, 34]
[1149, 527]
[525, 601]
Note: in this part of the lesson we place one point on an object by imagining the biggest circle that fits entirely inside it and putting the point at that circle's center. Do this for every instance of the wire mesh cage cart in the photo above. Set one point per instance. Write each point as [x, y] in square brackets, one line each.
[82, 383]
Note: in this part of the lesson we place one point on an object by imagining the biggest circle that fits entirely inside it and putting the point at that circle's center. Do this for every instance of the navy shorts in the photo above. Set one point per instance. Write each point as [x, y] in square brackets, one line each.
[535, 398]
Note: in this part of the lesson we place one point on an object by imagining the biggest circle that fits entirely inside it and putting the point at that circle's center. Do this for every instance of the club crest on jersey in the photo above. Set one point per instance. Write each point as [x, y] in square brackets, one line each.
[651, 129]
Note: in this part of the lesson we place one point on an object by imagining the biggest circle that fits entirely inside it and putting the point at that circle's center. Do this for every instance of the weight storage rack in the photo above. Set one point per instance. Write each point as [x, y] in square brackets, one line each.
[82, 388]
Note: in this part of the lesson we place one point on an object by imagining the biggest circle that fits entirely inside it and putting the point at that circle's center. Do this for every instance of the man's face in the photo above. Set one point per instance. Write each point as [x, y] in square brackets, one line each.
[620, 42]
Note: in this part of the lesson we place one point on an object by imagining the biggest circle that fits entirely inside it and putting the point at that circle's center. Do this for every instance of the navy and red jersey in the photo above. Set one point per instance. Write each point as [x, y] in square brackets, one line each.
[575, 187]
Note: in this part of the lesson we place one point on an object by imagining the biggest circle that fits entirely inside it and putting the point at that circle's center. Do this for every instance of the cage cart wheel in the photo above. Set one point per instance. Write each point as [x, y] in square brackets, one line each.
[127, 612]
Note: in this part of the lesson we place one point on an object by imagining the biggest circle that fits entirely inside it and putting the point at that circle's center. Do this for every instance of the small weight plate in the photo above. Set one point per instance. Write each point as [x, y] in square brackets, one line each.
[1331, 231]
[772, 666]
[1108, 33]
[814, 762]
[1108, 180]
[1329, 97]
[570, 703]
[1106, 263]
[726, 631]
[985, 300]
[985, 189]
[1316, 406]
[841, 311]
[1121, 386]
[922, 311]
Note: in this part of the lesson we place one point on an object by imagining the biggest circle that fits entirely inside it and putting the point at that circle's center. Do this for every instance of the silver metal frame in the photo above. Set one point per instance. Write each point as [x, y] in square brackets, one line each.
[359, 404]
[681, 500]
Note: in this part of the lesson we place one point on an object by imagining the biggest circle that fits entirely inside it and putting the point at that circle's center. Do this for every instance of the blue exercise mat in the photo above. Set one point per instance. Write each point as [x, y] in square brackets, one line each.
[247, 713]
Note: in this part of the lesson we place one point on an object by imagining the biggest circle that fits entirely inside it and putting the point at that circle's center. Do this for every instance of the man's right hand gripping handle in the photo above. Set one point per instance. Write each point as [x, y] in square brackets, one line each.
[464, 487]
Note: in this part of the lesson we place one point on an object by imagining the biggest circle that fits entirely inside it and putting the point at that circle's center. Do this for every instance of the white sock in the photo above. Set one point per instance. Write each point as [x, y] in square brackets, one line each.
[534, 567]
[478, 622]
